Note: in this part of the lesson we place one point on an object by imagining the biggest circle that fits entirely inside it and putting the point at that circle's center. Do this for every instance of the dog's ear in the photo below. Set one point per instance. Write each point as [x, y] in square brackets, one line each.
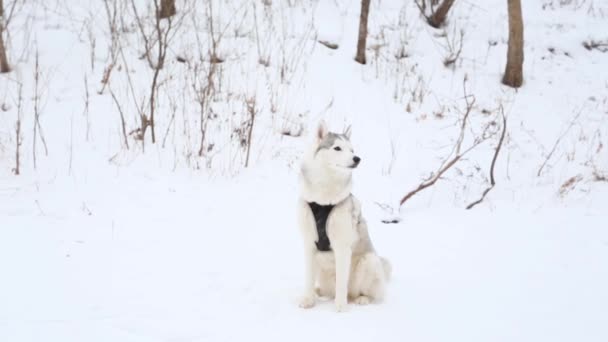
[347, 132]
[322, 130]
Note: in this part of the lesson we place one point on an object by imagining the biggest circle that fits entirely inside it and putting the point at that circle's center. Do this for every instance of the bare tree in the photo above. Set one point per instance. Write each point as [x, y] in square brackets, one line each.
[4, 66]
[167, 9]
[438, 17]
[513, 76]
[361, 42]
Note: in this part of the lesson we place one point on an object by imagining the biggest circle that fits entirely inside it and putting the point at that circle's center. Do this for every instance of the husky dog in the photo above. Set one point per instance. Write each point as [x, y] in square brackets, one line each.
[341, 262]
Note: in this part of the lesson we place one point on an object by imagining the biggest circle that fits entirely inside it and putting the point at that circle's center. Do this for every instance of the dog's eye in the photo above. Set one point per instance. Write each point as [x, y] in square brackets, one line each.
[337, 148]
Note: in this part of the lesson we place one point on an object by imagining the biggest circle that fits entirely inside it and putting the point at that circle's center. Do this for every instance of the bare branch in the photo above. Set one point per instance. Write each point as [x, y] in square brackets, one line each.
[421, 4]
[559, 139]
[18, 132]
[432, 181]
[496, 151]
[37, 126]
[122, 118]
[86, 107]
[140, 25]
[7, 21]
[173, 110]
[454, 49]
[251, 109]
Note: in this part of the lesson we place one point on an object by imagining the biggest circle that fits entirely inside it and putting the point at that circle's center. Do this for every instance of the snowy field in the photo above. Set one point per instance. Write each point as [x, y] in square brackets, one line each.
[108, 237]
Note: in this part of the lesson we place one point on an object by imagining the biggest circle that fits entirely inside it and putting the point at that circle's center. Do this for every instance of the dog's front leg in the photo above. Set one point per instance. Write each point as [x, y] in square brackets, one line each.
[308, 299]
[343, 256]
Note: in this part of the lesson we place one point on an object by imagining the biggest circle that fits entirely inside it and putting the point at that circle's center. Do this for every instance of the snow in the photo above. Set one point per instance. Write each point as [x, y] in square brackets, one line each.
[180, 265]
[103, 243]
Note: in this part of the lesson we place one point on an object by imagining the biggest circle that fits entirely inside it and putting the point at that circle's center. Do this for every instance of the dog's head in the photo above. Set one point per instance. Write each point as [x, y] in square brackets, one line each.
[335, 150]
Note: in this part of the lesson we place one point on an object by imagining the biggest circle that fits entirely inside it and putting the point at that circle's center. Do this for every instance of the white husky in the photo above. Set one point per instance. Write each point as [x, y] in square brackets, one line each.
[340, 259]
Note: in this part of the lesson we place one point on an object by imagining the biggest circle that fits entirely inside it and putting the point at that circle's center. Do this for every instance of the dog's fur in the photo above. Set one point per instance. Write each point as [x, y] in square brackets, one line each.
[352, 269]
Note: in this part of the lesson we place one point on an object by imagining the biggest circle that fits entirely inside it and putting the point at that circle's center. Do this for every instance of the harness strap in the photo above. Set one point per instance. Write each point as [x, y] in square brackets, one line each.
[321, 213]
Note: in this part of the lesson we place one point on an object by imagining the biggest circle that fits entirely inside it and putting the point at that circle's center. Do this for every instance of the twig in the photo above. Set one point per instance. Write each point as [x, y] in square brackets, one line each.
[7, 21]
[329, 44]
[122, 118]
[37, 126]
[496, 151]
[255, 26]
[599, 177]
[71, 145]
[432, 181]
[453, 55]
[111, 13]
[42, 213]
[559, 139]
[86, 107]
[469, 104]
[422, 8]
[173, 110]
[18, 131]
[130, 82]
[140, 25]
[600, 46]
[252, 113]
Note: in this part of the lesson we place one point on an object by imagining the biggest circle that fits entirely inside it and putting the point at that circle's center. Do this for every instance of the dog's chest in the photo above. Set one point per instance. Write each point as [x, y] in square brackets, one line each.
[326, 261]
[332, 227]
[321, 214]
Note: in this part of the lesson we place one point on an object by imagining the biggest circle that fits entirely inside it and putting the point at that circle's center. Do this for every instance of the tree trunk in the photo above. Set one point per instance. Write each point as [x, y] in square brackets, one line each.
[361, 42]
[513, 76]
[438, 18]
[4, 67]
[167, 9]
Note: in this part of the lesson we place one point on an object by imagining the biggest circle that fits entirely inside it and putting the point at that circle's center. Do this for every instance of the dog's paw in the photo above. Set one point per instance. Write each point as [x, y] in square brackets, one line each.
[341, 306]
[307, 302]
[362, 300]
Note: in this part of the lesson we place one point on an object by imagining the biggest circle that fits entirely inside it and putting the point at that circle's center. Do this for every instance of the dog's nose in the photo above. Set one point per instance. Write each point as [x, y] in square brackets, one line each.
[356, 159]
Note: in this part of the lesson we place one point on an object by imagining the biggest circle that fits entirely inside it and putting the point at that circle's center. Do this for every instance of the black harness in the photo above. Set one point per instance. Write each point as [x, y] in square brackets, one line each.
[321, 213]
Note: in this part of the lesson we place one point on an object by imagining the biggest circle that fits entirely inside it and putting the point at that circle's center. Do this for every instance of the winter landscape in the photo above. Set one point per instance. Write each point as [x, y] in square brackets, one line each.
[149, 160]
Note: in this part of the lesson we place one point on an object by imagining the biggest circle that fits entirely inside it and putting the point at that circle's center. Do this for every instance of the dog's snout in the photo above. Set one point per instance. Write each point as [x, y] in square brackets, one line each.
[356, 159]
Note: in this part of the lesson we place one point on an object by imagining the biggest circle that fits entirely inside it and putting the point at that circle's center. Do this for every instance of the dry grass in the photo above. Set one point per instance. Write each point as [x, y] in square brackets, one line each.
[569, 185]
[591, 45]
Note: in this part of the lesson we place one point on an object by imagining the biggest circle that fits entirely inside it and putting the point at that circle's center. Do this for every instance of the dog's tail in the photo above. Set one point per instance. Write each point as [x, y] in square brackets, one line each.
[388, 269]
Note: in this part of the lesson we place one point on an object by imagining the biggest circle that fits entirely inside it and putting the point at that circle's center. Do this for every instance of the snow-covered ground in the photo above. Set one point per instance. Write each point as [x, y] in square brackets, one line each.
[103, 243]
[160, 260]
